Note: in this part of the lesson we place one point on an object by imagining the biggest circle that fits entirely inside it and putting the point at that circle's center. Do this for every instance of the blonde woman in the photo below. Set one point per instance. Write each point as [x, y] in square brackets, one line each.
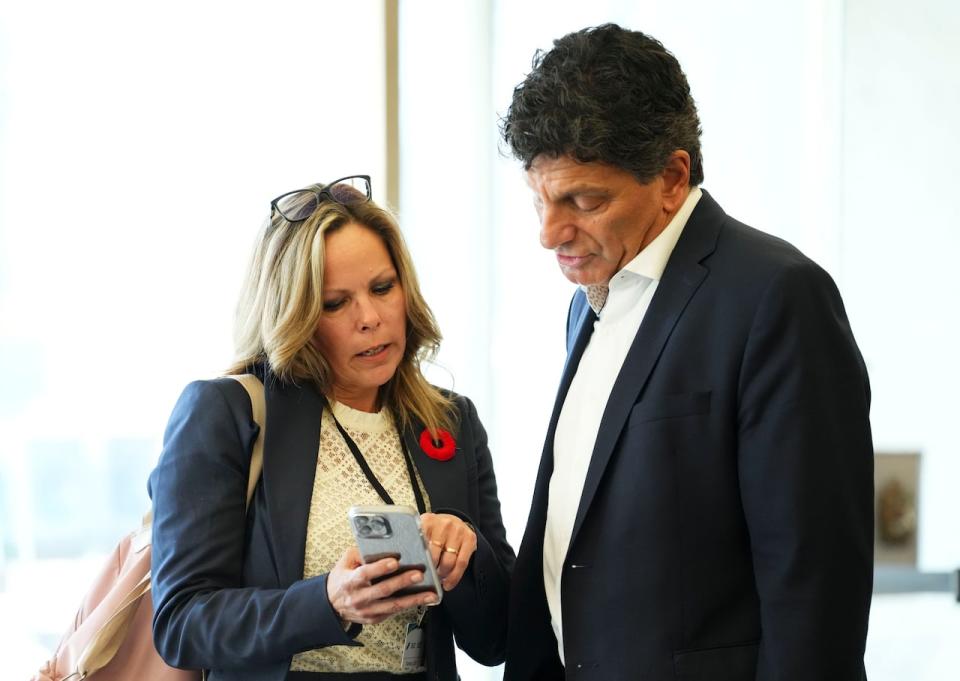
[332, 320]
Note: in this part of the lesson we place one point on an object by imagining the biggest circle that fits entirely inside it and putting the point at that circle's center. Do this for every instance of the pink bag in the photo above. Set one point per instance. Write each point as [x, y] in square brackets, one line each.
[111, 638]
[112, 635]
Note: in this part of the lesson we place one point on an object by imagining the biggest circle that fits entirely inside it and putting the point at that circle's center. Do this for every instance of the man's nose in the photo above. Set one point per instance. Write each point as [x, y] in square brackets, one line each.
[555, 229]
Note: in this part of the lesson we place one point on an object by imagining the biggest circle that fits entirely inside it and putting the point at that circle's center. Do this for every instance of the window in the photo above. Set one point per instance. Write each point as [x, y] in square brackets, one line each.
[141, 145]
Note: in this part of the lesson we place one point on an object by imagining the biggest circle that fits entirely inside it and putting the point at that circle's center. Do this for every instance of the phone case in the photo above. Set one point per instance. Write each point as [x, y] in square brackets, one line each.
[394, 531]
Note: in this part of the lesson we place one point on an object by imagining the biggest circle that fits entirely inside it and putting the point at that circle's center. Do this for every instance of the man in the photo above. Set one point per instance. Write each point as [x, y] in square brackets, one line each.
[703, 508]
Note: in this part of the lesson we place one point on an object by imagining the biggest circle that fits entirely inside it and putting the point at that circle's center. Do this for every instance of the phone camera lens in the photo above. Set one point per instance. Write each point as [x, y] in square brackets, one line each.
[361, 523]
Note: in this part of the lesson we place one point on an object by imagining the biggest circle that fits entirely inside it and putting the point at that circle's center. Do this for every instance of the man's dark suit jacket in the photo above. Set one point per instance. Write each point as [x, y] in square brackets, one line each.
[228, 590]
[725, 530]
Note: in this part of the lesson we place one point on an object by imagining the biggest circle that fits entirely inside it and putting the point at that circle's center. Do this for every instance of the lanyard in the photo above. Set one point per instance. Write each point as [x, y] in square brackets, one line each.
[365, 467]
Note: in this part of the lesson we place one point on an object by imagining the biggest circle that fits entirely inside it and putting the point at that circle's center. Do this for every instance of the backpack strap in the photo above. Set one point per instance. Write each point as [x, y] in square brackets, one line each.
[254, 388]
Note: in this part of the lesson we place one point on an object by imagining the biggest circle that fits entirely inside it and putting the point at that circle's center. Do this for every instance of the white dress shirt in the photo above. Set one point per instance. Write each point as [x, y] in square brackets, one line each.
[631, 290]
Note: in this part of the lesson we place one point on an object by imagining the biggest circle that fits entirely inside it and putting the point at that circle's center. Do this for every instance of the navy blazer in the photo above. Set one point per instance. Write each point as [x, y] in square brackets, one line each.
[228, 587]
[725, 530]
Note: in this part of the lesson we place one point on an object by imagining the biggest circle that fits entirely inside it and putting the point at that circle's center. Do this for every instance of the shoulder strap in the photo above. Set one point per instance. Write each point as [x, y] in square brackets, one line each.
[254, 388]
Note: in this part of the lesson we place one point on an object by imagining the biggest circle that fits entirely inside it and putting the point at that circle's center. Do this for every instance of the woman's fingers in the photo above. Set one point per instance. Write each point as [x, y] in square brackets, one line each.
[430, 526]
[435, 546]
[452, 543]
[375, 603]
[448, 559]
[365, 593]
[370, 571]
[379, 610]
[460, 562]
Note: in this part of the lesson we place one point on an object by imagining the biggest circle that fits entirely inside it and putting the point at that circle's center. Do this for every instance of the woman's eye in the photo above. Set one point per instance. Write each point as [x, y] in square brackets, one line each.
[331, 305]
[384, 288]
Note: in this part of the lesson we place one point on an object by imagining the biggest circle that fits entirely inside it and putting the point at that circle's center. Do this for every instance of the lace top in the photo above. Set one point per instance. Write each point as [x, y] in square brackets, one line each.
[338, 485]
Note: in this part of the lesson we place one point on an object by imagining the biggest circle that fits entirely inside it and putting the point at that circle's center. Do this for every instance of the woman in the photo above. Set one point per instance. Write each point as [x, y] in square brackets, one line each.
[333, 322]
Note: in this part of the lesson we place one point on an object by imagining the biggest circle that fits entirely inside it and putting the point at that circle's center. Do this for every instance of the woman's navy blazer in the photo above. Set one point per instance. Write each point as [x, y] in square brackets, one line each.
[228, 586]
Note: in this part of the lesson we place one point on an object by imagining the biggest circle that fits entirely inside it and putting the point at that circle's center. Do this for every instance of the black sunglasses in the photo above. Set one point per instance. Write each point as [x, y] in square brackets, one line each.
[300, 204]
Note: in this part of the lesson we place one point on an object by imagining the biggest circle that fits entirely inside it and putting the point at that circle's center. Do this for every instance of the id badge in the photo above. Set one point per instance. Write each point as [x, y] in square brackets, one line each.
[413, 648]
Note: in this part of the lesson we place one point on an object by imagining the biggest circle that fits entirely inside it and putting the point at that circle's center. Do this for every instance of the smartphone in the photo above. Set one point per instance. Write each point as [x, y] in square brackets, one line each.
[387, 531]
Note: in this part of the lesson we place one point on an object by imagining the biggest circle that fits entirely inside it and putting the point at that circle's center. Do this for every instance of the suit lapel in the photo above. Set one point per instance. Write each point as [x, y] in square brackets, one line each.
[582, 319]
[581, 323]
[681, 278]
[289, 467]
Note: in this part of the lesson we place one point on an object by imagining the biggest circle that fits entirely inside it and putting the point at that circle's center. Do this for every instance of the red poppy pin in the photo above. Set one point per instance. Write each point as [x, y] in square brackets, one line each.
[441, 449]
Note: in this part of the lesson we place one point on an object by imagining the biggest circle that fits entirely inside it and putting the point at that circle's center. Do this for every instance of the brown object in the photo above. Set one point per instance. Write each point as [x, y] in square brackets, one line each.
[896, 513]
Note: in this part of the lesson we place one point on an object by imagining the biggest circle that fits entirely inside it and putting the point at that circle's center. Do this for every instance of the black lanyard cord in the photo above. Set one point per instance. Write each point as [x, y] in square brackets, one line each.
[367, 471]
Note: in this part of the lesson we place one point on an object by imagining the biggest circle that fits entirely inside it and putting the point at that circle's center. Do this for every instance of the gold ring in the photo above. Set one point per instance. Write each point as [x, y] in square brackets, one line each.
[449, 550]
[437, 543]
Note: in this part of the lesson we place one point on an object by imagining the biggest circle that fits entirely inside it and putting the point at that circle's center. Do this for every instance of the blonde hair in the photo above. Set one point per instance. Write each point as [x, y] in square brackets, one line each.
[282, 300]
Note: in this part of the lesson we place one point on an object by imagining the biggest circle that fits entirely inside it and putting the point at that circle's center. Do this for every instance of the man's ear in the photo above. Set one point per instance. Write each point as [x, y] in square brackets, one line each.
[676, 180]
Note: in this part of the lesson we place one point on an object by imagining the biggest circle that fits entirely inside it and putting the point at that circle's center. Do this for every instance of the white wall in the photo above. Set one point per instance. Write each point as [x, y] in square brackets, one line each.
[901, 237]
[141, 148]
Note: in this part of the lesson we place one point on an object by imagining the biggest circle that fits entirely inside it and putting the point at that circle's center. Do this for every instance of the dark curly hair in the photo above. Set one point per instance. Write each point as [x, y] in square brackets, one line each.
[606, 94]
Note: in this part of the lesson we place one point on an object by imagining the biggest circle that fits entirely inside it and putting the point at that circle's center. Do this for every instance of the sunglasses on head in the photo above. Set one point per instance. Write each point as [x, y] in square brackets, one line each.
[300, 204]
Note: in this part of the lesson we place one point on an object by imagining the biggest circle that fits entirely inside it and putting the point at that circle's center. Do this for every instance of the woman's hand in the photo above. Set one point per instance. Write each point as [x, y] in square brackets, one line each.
[355, 598]
[452, 543]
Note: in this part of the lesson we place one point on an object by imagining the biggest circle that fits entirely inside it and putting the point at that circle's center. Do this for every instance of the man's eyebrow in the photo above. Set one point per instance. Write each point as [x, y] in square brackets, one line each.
[578, 189]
